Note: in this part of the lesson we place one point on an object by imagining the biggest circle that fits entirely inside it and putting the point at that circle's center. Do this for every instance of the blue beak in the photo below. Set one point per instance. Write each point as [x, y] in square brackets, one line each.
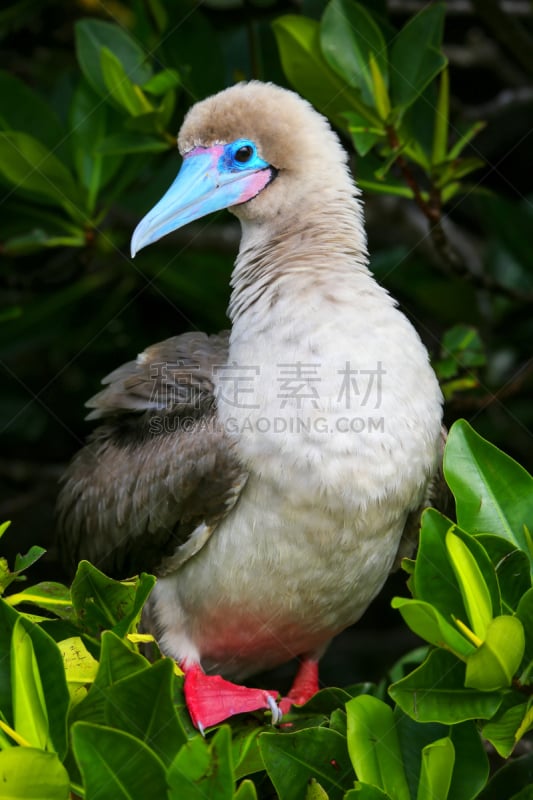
[205, 183]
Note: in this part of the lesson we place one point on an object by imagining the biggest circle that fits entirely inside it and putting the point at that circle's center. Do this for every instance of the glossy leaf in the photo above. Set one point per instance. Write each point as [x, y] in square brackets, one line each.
[117, 661]
[202, 771]
[102, 602]
[435, 692]
[246, 791]
[245, 749]
[120, 87]
[374, 747]
[29, 166]
[91, 36]
[154, 719]
[29, 706]
[315, 791]
[416, 58]
[524, 613]
[496, 661]
[429, 624]
[442, 111]
[90, 121]
[293, 759]
[381, 95]
[473, 588]
[115, 765]
[363, 791]
[438, 759]
[49, 595]
[162, 82]
[511, 566]
[349, 37]
[44, 666]
[298, 40]
[31, 774]
[503, 730]
[492, 492]
[471, 766]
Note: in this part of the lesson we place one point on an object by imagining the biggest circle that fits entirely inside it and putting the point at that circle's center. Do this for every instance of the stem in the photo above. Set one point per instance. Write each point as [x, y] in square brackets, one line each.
[432, 210]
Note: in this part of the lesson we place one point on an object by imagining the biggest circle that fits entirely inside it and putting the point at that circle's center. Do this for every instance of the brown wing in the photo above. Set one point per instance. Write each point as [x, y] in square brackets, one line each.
[159, 474]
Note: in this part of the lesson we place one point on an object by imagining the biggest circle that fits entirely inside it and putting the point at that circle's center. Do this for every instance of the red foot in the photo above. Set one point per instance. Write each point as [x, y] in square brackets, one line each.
[304, 687]
[210, 699]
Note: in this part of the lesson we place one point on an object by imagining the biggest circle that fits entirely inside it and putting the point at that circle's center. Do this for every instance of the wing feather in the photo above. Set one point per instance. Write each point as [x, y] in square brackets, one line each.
[159, 473]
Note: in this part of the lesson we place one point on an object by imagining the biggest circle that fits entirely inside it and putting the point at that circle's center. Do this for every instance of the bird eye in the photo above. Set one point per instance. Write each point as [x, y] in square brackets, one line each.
[244, 153]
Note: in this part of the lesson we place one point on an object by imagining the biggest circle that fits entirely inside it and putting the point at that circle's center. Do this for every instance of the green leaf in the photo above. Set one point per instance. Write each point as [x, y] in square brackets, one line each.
[381, 95]
[434, 580]
[492, 492]
[127, 94]
[435, 692]
[30, 774]
[28, 166]
[162, 82]
[374, 747]
[29, 706]
[473, 588]
[471, 768]
[298, 40]
[245, 749]
[23, 562]
[349, 38]
[315, 791]
[511, 566]
[50, 595]
[89, 121]
[464, 344]
[44, 666]
[465, 139]
[101, 602]
[201, 771]
[122, 143]
[416, 58]
[363, 791]
[496, 661]
[21, 107]
[117, 661]
[503, 731]
[91, 36]
[115, 765]
[442, 112]
[364, 136]
[141, 704]
[246, 791]
[293, 759]
[429, 624]
[438, 760]
[510, 779]
[524, 613]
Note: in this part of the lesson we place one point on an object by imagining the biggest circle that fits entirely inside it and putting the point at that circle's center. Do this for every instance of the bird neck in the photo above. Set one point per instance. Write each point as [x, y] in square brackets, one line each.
[321, 246]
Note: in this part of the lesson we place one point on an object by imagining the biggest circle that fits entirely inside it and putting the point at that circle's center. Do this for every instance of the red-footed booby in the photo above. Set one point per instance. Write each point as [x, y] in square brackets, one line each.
[265, 476]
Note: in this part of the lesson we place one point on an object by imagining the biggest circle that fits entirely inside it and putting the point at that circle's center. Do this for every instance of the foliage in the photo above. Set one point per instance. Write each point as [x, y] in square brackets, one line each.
[80, 704]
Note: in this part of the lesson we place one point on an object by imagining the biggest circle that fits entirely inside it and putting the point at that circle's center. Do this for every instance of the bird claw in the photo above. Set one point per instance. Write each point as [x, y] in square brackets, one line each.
[277, 713]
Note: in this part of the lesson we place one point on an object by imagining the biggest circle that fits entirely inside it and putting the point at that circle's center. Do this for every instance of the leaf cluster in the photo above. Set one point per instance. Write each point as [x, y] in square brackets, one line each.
[84, 714]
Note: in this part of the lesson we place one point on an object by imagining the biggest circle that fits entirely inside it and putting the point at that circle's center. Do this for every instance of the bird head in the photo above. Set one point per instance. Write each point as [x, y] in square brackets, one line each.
[256, 149]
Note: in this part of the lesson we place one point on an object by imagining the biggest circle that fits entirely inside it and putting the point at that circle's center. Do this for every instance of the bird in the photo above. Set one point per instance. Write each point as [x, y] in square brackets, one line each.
[267, 474]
